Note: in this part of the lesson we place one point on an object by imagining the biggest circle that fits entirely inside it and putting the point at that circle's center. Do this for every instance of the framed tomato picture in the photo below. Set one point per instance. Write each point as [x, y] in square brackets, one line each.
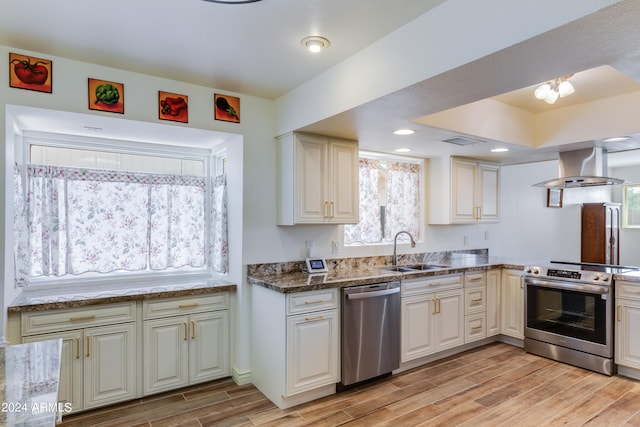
[106, 96]
[28, 72]
[227, 108]
[173, 107]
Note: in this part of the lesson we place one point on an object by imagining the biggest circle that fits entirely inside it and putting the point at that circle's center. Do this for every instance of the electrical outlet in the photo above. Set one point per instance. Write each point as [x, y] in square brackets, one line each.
[335, 246]
[466, 240]
[486, 235]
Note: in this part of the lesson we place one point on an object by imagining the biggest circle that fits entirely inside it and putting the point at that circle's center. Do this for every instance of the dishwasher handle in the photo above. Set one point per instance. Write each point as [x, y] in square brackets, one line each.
[373, 294]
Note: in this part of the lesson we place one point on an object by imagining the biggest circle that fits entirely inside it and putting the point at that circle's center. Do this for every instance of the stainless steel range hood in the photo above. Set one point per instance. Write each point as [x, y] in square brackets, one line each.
[586, 167]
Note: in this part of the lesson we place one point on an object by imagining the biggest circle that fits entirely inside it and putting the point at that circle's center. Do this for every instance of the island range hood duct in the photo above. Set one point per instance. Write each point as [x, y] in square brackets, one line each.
[586, 167]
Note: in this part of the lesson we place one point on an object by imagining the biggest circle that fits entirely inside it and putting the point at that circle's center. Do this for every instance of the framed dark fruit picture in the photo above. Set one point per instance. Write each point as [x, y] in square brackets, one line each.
[28, 72]
[173, 107]
[227, 108]
[106, 96]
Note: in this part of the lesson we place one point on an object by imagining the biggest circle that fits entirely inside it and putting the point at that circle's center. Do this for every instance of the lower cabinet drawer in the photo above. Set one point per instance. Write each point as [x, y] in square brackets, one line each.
[475, 327]
[77, 318]
[178, 306]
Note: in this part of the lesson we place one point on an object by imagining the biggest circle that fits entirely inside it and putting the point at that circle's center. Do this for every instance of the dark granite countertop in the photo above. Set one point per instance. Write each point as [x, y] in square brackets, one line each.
[344, 276]
[79, 296]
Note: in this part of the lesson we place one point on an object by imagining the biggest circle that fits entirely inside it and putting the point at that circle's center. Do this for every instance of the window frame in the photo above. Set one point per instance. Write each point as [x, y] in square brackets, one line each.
[423, 175]
[214, 161]
[625, 206]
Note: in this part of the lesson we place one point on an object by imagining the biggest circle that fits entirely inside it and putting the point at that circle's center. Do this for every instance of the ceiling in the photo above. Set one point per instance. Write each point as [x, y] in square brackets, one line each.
[222, 46]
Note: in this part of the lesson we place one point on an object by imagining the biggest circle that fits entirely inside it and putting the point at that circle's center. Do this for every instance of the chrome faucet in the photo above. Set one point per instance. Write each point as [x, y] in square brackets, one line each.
[395, 245]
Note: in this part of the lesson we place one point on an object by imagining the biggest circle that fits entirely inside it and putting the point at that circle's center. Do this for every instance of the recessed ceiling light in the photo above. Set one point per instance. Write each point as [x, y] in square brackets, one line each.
[499, 150]
[315, 43]
[404, 132]
[402, 150]
[616, 139]
[232, 1]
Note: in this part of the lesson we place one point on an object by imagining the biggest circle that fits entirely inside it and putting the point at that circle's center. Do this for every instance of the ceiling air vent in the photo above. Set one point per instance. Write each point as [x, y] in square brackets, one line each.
[461, 140]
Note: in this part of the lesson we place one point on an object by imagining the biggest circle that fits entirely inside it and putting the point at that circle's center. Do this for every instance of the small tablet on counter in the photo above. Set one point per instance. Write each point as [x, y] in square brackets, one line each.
[316, 265]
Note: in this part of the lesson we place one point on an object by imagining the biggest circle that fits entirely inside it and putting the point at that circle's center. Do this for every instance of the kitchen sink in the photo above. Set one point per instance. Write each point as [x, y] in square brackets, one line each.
[413, 267]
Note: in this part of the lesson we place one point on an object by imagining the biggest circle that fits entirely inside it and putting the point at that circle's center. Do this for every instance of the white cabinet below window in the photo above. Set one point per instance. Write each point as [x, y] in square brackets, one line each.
[99, 352]
[186, 341]
[317, 180]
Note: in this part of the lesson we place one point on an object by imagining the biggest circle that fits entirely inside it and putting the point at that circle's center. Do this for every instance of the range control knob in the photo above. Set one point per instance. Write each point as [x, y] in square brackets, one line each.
[605, 278]
[596, 277]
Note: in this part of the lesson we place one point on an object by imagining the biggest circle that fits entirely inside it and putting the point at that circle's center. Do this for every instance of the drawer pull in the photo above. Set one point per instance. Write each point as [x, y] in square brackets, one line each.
[195, 304]
[475, 328]
[309, 319]
[476, 279]
[476, 300]
[82, 318]
[317, 301]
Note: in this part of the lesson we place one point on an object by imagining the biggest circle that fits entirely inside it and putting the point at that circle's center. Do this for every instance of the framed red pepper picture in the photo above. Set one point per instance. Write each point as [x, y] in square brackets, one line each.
[28, 72]
[173, 107]
[227, 108]
[106, 96]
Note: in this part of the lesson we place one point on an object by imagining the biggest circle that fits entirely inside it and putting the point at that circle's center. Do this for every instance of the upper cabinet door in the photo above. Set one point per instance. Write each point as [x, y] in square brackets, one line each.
[475, 191]
[317, 180]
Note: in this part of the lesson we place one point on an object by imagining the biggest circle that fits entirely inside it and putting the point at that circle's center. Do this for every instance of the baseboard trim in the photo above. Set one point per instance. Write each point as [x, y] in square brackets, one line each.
[241, 378]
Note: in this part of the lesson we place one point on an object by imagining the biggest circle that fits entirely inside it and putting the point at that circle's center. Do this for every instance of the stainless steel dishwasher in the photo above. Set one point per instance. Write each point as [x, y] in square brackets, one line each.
[370, 331]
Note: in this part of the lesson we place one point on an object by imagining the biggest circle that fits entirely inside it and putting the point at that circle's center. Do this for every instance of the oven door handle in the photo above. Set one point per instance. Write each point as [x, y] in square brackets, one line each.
[581, 287]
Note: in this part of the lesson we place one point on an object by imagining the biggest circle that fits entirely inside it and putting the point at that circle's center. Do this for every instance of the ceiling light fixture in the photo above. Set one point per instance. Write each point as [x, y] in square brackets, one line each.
[499, 150]
[558, 88]
[402, 150]
[315, 43]
[616, 139]
[404, 132]
[232, 1]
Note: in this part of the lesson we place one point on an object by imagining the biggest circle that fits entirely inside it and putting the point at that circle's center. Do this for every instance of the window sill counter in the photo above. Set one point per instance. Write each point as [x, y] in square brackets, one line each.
[59, 298]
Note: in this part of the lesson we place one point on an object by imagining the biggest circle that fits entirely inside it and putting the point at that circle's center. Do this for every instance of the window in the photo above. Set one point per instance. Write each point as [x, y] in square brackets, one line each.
[151, 212]
[390, 200]
[631, 206]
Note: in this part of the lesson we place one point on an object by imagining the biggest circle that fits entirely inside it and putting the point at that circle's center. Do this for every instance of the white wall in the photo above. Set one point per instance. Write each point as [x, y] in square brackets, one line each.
[629, 237]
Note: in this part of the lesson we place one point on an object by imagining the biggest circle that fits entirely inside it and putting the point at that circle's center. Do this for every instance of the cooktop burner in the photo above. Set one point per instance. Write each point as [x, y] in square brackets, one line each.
[587, 266]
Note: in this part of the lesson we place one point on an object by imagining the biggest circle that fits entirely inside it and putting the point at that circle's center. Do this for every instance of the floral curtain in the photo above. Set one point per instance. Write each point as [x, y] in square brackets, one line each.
[82, 220]
[403, 200]
[368, 230]
[219, 257]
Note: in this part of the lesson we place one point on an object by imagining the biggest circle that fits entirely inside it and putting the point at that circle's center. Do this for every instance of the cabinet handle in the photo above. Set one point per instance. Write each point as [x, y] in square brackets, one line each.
[333, 210]
[77, 340]
[435, 311]
[188, 305]
[326, 209]
[475, 328]
[476, 300]
[618, 315]
[186, 333]
[193, 330]
[88, 348]
[308, 319]
[81, 318]
[315, 301]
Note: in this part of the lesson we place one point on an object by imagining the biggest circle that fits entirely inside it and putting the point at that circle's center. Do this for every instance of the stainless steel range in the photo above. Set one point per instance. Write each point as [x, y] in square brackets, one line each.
[569, 313]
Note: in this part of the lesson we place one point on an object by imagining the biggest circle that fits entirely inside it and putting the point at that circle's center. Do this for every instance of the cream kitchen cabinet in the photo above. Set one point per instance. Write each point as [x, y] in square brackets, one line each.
[99, 353]
[627, 340]
[186, 341]
[467, 191]
[317, 180]
[493, 301]
[475, 306]
[512, 303]
[432, 315]
[295, 344]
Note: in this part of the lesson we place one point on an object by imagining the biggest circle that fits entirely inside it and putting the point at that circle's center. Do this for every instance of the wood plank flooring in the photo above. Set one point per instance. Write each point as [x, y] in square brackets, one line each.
[494, 385]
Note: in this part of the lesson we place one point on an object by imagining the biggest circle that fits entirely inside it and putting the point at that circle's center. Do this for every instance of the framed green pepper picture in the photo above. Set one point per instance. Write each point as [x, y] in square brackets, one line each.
[106, 96]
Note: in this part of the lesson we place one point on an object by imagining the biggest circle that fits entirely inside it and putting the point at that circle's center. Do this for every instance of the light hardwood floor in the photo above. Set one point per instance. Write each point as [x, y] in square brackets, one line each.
[493, 385]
